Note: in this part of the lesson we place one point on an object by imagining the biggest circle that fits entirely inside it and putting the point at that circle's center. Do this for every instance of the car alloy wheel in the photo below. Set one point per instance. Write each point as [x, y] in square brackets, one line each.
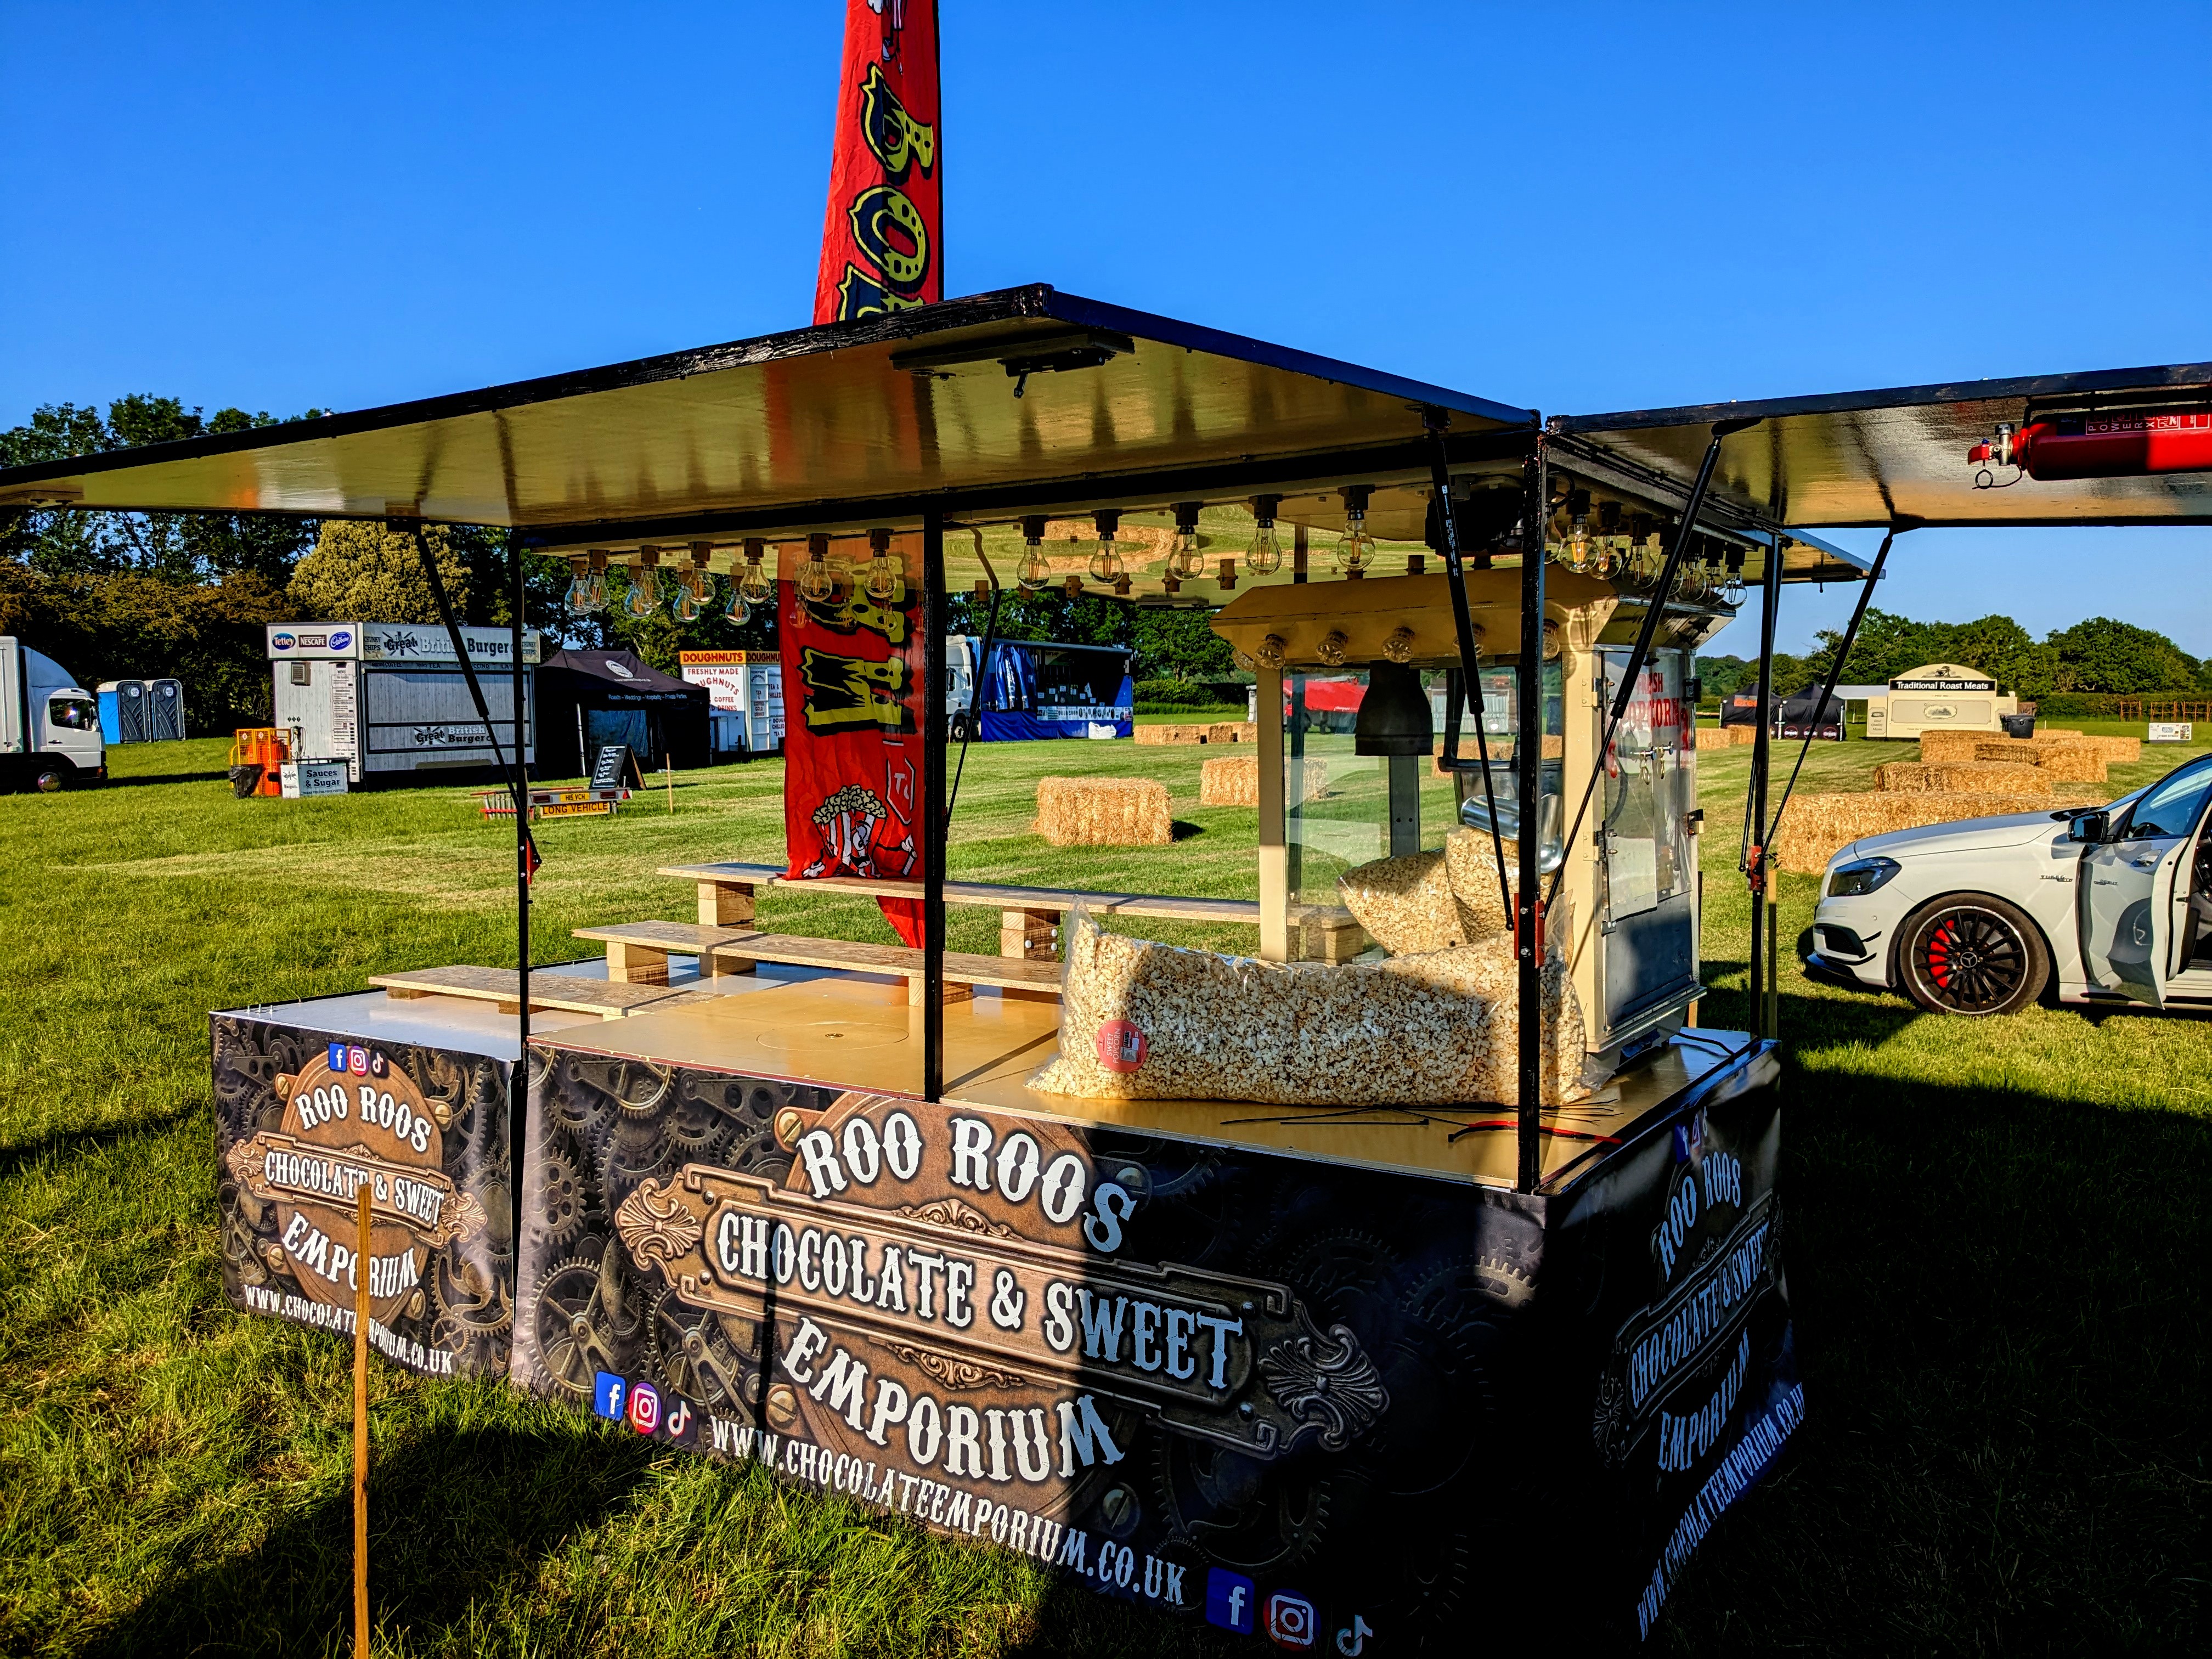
[1973, 956]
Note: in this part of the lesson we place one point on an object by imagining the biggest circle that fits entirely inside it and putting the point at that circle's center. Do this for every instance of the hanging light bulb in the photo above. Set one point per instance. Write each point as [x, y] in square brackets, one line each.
[595, 582]
[756, 586]
[1399, 648]
[816, 583]
[1270, 653]
[1185, 562]
[1245, 661]
[1355, 552]
[1579, 557]
[1265, 556]
[844, 579]
[579, 585]
[644, 597]
[1033, 572]
[692, 596]
[1332, 648]
[884, 575]
[736, 610]
[1106, 563]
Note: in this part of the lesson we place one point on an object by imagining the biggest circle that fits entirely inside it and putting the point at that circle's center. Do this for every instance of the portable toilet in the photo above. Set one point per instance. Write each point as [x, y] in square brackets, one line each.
[123, 711]
[164, 711]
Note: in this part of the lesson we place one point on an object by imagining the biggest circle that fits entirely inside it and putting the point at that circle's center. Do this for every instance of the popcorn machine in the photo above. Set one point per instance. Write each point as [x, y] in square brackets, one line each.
[1428, 756]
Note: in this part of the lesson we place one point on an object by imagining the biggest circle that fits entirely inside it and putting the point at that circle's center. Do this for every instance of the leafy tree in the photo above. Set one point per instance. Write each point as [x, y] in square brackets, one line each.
[2101, 654]
[128, 625]
[359, 571]
[184, 546]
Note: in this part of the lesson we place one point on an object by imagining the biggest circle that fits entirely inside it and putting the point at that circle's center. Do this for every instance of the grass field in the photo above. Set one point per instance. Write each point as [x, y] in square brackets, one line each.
[1999, 1256]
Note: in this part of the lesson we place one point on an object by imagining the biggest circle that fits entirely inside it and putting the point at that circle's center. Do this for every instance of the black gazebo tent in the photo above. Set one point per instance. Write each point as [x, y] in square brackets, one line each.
[589, 699]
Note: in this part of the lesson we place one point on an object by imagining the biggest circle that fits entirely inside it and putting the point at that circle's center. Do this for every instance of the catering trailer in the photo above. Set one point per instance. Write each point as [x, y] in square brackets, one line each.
[391, 700]
[1270, 1280]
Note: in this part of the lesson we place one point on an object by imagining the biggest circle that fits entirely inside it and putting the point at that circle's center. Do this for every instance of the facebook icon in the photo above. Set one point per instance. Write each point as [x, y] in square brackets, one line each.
[1229, 1601]
[608, 1394]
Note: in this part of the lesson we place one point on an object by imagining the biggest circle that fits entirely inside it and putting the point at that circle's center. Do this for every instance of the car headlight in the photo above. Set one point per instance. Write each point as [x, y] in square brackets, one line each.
[1860, 876]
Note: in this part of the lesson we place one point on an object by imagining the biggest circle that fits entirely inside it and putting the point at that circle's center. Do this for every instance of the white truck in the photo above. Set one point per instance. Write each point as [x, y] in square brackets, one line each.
[49, 725]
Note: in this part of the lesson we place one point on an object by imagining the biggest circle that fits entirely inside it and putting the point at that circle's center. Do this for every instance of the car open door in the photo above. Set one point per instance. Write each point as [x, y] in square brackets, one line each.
[2133, 888]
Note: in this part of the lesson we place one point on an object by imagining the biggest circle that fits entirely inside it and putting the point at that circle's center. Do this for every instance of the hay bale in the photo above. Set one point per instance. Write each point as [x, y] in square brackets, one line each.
[2123, 750]
[1232, 731]
[1946, 748]
[1966, 778]
[1167, 734]
[1141, 1021]
[1234, 780]
[1817, 827]
[2072, 762]
[1104, 812]
[1714, 736]
[1741, 736]
[2050, 734]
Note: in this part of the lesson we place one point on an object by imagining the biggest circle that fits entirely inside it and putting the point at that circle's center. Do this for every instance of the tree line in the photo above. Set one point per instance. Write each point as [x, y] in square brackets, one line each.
[2099, 655]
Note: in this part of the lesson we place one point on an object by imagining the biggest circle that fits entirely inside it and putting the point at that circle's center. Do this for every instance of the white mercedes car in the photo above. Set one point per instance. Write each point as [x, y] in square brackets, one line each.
[1983, 917]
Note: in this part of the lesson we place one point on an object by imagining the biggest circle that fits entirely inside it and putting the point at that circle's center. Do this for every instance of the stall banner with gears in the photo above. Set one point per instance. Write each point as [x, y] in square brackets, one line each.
[1689, 1376]
[305, 1119]
[1142, 1359]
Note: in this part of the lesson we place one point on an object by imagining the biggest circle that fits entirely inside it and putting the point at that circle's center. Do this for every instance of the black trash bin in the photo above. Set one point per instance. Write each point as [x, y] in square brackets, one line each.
[2017, 726]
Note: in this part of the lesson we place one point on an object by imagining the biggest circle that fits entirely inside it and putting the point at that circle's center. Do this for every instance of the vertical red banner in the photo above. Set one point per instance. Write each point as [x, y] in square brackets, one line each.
[883, 235]
[852, 743]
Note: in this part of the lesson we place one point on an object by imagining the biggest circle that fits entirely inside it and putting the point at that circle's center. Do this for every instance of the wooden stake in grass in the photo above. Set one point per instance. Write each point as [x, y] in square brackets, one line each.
[360, 1431]
[668, 772]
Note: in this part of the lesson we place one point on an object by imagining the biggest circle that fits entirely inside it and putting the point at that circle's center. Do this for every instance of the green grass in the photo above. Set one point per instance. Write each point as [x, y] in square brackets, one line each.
[1998, 1251]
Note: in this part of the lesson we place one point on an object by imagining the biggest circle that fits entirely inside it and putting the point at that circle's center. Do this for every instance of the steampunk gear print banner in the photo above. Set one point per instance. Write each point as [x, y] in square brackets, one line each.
[852, 691]
[883, 235]
[305, 1119]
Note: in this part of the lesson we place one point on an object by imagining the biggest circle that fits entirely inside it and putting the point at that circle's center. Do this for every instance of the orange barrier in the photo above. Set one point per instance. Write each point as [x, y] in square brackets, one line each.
[266, 747]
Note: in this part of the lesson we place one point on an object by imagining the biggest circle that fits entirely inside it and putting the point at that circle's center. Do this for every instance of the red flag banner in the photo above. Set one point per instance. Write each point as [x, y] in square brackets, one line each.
[883, 235]
[852, 741]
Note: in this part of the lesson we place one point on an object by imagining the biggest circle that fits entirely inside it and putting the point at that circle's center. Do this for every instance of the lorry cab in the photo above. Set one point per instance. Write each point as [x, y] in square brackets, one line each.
[50, 736]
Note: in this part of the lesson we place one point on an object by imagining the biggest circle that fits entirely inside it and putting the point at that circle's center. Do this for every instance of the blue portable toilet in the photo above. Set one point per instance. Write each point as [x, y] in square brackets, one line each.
[123, 711]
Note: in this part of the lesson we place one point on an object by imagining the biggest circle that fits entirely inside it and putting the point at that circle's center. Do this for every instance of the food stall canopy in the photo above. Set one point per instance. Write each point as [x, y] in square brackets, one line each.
[1899, 456]
[1035, 397]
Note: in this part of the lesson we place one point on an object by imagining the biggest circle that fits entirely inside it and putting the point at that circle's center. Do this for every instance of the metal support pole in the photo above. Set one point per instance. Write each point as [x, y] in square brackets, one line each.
[1529, 765]
[518, 1102]
[1769, 612]
[932, 813]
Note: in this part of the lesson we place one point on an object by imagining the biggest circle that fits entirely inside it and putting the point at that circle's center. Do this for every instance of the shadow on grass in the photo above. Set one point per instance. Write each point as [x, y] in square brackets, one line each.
[67, 1143]
[1184, 829]
[140, 780]
[454, 1517]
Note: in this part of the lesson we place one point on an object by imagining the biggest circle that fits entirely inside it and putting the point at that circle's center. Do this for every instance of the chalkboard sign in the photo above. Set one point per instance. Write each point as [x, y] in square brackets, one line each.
[613, 768]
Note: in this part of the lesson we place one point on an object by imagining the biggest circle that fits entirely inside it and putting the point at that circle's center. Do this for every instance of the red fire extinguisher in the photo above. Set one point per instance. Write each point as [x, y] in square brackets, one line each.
[2122, 444]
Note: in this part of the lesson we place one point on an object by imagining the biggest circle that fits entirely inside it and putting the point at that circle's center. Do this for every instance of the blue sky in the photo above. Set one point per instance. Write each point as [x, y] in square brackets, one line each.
[1576, 207]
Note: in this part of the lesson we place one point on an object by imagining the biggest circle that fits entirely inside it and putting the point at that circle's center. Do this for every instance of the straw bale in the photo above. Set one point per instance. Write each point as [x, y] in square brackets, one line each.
[1942, 747]
[1233, 731]
[2124, 750]
[1104, 812]
[2072, 762]
[1963, 778]
[1166, 734]
[2050, 734]
[1234, 780]
[1817, 827]
[1141, 1021]
[1714, 736]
